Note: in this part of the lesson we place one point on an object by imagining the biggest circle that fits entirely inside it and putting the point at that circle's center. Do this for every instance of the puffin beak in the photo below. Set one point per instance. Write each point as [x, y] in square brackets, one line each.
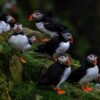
[71, 40]
[13, 20]
[17, 29]
[30, 18]
[68, 61]
[94, 62]
[36, 40]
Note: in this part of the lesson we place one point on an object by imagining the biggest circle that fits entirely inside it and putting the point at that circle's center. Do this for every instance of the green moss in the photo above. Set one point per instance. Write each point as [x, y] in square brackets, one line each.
[33, 68]
[3, 86]
[12, 71]
[16, 69]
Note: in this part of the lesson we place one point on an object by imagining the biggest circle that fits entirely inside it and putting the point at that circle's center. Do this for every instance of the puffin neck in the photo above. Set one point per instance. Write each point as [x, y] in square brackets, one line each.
[42, 19]
[62, 38]
[62, 65]
[15, 33]
[89, 64]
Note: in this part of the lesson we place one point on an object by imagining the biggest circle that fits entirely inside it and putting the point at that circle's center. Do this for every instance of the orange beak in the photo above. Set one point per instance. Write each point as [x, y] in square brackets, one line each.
[13, 20]
[94, 62]
[36, 40]
[30, 18]
[17, 29]
[68, 61]
[71, 40]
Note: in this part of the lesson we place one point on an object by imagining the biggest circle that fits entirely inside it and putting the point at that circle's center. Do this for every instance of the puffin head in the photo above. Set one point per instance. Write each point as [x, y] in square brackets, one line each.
[10, 19]
[67, 36]
[64, 60]
[32, 38]
[36, 16]
[92, 58]
[18, 28]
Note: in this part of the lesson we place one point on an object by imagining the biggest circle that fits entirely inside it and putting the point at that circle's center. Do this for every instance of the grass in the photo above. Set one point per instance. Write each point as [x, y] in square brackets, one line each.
[36, 64]
[29, 90]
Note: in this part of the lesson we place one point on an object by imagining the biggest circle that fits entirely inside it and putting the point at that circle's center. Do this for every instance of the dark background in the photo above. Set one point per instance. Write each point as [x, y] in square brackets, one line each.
[81, 16]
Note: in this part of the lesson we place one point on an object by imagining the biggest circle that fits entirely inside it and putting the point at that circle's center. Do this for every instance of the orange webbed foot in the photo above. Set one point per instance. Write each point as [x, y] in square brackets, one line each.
[59, 91]
[87, 89]
[22, 60]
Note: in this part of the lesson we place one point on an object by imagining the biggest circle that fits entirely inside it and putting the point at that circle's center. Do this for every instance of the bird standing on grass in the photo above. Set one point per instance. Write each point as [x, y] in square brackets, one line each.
[47, 25]
[19, 41]
[85, 74]
[56, 46]
[5, 23]
[56, 74]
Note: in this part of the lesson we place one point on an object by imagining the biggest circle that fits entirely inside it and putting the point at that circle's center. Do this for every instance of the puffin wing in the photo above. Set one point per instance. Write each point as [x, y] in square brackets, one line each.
[52, 44]
[53, 26]
[77, 74]
[52, 75]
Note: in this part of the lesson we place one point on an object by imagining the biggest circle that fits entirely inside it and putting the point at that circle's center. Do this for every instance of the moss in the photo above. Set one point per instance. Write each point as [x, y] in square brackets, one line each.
[3, 86]
[12, 71]
[16, 69]
[23, 91]
[34, 67]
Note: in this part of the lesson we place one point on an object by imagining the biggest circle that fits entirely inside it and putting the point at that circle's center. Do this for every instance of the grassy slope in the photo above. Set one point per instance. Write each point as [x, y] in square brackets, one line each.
[36, 64]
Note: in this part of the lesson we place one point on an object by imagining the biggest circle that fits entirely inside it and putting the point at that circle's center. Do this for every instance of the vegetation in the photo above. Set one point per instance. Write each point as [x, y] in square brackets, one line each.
[18, 81]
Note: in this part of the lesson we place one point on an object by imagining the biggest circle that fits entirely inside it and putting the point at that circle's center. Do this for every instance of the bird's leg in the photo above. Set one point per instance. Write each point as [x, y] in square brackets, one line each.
[58, 90]
[22, 60]
[86, 88]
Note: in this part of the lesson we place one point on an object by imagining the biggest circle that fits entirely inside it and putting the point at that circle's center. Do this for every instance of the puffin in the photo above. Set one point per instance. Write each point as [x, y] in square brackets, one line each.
[19, 41]
[6, 22]
[56, 46]
[8, 19]
[56, 74]
[47, 25]
[86, 73]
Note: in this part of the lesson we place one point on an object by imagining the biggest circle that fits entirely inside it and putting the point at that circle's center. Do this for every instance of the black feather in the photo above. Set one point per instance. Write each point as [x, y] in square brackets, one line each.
[52, 75]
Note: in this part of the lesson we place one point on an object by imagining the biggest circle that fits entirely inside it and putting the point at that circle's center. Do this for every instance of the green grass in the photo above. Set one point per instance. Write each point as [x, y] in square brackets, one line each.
[36, 65]
[29, 90]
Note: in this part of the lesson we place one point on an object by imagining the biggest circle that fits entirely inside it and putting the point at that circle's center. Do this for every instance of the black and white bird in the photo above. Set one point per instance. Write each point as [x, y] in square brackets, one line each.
[47, 25]
[57, 45]
[85, 74]
[19, 41]
[5, 23]
[56, 74]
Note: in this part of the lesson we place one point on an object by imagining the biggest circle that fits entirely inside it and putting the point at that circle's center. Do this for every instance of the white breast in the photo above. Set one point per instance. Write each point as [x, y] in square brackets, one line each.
[64, 76]
[19, 42]
[7, 28]
[4, 27]
[66, 73]
[91, 74]
[40, 26]
[63, 47]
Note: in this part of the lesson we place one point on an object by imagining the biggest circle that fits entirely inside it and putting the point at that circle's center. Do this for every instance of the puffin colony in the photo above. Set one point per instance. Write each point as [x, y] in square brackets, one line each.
[58, 44]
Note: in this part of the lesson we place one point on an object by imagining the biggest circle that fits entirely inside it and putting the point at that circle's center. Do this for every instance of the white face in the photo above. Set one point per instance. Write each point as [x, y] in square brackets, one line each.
[37, 15]
[10, 19]
[92, 59]
[67, 36]
[18, 27]
[62, 59]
